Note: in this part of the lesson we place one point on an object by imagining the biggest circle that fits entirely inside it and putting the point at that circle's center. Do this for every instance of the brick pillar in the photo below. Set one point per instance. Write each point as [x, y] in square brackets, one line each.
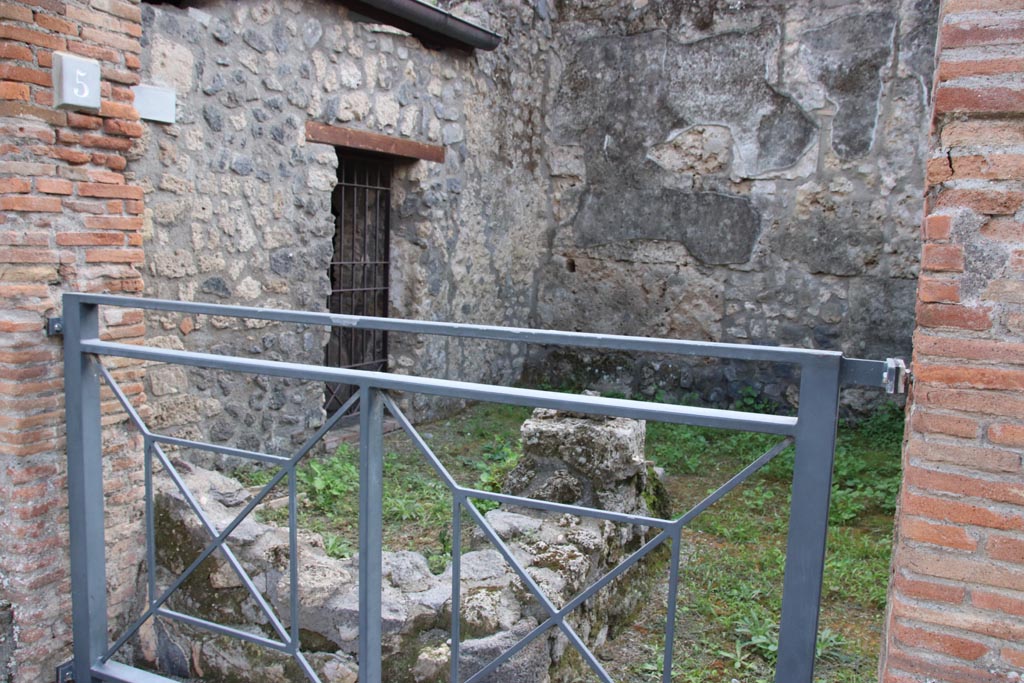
[956, 602]
[70, 219]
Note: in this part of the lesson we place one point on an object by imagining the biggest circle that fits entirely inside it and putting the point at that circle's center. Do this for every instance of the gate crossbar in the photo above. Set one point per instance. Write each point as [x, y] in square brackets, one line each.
[812, 431]
[859, 371]
[597, 405]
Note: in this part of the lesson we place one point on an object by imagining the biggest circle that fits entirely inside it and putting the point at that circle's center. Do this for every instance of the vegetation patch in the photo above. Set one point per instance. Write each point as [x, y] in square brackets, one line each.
[478, 448]
[731, 583]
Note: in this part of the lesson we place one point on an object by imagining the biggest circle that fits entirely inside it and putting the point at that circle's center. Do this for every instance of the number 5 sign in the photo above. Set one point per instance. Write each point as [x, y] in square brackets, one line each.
[76, 82]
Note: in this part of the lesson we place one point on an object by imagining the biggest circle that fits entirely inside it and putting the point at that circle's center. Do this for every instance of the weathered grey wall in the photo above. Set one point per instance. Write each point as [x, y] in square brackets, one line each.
[238, 203]
[736, 171]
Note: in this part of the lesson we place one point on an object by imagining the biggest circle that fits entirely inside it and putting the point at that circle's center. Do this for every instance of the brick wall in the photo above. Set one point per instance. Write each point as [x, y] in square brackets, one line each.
[956, 609]
[70, 220]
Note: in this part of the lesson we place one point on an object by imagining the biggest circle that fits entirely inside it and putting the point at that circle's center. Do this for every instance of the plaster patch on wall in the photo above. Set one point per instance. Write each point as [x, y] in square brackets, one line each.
[848, 56]
[697, 149]
[171, 64]
[716, 228]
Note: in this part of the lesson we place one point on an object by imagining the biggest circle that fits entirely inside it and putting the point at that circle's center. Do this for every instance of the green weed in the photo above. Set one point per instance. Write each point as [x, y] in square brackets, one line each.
[331, 484]
[730, 591]
[750, 401]
[734, 576]
[337, 546]
[495, 462]
[253, 475]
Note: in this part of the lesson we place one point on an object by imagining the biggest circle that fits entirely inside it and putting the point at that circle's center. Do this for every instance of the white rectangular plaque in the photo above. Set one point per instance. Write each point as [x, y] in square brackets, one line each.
[155, 103]
[76, 82]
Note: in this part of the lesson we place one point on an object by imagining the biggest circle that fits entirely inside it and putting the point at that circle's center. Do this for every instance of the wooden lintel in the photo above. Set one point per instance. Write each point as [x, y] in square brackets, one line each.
[372, 142]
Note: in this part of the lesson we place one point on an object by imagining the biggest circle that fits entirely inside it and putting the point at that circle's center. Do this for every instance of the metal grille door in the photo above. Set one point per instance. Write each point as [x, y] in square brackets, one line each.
[359, 268]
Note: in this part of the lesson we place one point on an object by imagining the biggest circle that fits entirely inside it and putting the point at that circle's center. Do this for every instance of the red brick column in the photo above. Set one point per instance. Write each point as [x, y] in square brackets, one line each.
[70, 220]
[956, 608]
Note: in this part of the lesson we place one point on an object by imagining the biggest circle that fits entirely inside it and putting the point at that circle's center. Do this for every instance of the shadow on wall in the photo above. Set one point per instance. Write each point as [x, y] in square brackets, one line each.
[6, 638]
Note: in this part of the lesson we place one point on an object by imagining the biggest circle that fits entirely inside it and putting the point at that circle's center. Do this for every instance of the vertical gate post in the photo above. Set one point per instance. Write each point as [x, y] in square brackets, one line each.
[85, 489]
[371, 502]
[808, 518]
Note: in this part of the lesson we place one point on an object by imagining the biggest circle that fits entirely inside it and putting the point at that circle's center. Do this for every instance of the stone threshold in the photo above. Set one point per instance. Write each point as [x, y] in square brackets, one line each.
[350, 434]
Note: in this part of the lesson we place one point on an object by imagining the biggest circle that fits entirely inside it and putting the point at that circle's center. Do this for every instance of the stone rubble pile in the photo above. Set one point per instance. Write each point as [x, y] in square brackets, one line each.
[567, 458]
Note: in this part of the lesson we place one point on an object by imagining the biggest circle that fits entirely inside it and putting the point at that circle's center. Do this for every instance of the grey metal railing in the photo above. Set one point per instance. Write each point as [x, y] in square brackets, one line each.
[813, 431]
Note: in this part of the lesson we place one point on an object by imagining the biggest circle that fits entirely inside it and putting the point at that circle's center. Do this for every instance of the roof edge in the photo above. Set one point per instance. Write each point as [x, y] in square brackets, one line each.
[434, 26]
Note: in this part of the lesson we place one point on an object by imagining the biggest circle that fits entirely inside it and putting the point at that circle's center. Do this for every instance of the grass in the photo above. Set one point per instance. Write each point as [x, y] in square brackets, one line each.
[478, 448]
[730, 595]
[732, 582]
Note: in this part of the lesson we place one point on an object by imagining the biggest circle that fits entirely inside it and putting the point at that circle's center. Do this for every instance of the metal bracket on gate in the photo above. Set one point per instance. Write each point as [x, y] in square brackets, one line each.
[897, 376]
[54, 327]
[892, 374]
[65, 671]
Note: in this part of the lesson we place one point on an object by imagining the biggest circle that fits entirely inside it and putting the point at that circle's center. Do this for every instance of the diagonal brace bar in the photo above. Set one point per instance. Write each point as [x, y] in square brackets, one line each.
[735, 481]
[216, 542]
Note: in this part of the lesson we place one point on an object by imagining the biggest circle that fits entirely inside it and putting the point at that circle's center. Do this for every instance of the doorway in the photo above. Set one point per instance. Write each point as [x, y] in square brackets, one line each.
[361, 204]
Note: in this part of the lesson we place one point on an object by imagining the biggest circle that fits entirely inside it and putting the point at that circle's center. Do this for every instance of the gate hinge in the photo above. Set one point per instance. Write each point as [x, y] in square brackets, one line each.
[54, 326]
[65, 671]
[897, 376]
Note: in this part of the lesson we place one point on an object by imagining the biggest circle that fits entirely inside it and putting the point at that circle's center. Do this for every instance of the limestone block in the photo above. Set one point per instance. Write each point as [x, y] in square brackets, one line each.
[386, 110]
[532, 664]
[321, 179]
[432, 664]
[698, 149]
[172, 65]
[249, 288]
[349, 74]
[353, 105]
[166, 380]
[606, 450]
[170, 212]
[175, 264]
[487, 611]
[339, 669]
[409, 120]
[452, 133]
[567, 160]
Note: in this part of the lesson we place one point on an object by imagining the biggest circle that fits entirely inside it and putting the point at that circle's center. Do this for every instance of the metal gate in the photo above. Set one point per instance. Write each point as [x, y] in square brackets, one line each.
[812, 432]
[361, 204]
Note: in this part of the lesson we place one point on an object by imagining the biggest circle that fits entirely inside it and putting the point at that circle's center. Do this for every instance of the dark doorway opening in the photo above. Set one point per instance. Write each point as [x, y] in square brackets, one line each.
[361, 204]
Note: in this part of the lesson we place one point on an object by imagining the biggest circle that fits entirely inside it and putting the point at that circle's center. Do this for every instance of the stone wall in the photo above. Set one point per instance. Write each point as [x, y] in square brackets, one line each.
[736, 172]
[732, 174]
[240, 203]
[70, 220]
[956, 600]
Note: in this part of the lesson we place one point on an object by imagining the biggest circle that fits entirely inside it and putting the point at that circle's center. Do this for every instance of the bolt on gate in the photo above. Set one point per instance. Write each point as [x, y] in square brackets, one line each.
[812, 432]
